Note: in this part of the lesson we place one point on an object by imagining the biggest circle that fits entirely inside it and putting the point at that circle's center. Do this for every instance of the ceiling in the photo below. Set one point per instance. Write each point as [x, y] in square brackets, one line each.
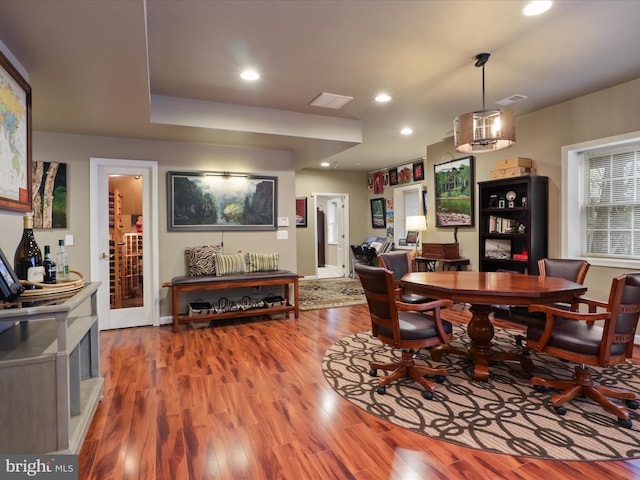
[168, 70]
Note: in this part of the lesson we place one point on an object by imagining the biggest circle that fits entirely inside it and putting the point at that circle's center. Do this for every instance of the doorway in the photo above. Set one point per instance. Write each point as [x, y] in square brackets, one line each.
[331, 220]
[124, 239]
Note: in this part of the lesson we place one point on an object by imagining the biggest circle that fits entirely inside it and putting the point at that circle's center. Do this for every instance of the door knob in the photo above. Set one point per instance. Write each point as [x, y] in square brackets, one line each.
[104, 255]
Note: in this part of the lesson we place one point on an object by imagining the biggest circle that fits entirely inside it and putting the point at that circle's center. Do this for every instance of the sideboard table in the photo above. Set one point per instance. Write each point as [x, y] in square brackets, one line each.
[426, 263]
[50, 383]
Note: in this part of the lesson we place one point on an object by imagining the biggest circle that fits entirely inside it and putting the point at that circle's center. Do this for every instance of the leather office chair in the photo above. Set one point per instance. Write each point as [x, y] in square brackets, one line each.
[569, 269]
[405, 326]
[575, 337]
[399, 263]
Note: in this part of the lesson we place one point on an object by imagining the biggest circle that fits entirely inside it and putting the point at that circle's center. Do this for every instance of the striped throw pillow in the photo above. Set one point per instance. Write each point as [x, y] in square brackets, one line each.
[262, 262]
[231, 263]
[200, 259]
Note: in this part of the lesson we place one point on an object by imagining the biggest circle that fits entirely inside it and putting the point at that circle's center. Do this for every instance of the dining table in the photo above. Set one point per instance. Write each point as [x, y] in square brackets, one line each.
[482, 291]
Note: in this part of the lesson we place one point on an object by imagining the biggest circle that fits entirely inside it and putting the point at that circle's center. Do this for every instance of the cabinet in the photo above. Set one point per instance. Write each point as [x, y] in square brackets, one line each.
[50, 383]
[513, 223]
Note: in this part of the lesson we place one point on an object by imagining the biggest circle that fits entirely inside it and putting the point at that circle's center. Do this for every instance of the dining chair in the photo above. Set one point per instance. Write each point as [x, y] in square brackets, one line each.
[405, 326]
[570, 269]
[399, 262]
[576, 337]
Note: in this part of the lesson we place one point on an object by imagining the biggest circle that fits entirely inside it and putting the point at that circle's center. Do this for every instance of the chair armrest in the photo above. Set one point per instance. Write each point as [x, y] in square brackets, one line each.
[423, 307]
[552, 312]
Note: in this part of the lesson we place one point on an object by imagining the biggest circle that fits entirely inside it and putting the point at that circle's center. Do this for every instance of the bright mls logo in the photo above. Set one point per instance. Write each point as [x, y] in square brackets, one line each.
[58, 467]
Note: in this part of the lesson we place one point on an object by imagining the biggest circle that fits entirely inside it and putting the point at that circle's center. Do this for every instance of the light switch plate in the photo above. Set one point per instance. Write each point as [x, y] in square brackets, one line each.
[68, 240]
[283, 234]
[283, 221]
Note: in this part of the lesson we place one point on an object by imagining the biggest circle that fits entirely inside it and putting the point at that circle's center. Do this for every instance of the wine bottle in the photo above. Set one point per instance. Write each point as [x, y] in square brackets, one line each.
[62, 263]
[27, 261]
[49, 266]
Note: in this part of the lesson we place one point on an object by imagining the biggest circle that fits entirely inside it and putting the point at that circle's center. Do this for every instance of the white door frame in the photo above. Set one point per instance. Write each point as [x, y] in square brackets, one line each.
[346, 268]
[100, 169]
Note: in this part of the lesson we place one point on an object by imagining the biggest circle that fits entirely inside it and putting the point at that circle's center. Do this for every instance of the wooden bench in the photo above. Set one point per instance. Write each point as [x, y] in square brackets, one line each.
[190, 283]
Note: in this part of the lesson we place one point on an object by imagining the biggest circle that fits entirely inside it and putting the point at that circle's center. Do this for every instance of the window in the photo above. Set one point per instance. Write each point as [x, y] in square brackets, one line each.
[406, 201]
[602, 198]
[332, 218]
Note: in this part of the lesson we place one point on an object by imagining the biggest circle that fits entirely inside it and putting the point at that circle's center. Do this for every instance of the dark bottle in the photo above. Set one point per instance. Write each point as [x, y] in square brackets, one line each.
[28, 258]
[49, 266]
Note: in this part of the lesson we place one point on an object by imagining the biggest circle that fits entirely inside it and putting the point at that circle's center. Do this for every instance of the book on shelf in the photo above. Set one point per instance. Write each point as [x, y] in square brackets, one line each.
[502, 225]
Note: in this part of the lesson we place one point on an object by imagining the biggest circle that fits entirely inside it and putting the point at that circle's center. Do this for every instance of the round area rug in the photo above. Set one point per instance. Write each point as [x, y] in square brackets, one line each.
[505, 415]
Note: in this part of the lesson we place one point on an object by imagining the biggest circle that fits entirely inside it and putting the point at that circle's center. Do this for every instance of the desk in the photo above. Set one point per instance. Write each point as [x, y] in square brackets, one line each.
[482, 290]
[426, 263]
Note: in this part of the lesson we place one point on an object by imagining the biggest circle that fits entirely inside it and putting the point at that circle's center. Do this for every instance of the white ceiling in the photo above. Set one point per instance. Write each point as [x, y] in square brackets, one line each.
[169, 69]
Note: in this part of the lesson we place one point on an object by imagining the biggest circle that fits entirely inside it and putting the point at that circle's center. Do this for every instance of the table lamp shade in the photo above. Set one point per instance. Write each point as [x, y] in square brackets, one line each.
[415, 223]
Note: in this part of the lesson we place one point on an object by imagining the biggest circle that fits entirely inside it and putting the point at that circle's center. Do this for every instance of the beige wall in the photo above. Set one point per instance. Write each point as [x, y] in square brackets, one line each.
[329, 181]
[540, 136]
[76, 150]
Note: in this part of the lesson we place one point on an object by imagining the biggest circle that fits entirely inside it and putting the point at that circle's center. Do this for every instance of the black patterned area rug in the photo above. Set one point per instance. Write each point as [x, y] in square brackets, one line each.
[330, 293]
[505, 415]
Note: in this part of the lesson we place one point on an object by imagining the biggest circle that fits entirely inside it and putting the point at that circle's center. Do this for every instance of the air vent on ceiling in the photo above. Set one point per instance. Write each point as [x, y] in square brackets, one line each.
[331, 100]
[512, 99]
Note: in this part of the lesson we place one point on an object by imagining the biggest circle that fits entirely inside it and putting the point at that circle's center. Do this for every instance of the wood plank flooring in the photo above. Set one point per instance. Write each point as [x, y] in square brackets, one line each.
[247, 400]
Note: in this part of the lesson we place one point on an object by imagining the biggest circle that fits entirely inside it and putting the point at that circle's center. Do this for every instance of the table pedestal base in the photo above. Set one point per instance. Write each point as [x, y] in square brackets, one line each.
[481, 332]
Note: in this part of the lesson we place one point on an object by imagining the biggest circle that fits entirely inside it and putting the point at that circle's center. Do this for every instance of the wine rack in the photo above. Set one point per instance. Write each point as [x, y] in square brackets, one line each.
[116, 259]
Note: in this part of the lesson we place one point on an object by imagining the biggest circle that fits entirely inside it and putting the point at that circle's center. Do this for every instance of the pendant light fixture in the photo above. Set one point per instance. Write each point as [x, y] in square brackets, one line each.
[484, 130]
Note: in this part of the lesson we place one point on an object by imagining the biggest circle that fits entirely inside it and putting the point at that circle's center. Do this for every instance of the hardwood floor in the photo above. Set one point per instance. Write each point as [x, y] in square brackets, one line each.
[247, 400]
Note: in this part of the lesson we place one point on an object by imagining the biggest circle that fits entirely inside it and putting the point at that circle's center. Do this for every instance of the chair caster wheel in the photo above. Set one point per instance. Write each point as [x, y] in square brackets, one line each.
[373, 372]
[381, 390]
[440, 378]
[561, 410]
[427, 395]
[632, 404]
[624, 423]
[539, 388]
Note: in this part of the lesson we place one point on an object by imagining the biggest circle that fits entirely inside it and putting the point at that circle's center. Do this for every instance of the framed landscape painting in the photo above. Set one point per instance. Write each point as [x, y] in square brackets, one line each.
[202, 201]
[378, 213]
[454, 193]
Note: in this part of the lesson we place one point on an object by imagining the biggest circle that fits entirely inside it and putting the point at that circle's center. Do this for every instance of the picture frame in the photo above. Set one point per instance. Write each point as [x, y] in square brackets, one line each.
[15, 147]
[412, 238]
[378, 213]
[418, 171]
[49, 194]
[393, 176]
[497, 248]
[301, 212]
[221, 201]
[454, 193]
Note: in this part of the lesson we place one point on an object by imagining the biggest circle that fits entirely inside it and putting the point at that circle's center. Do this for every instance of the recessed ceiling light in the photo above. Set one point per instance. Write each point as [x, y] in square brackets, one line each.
[383, 97]
[325, 164]
[250, 75]
[406, 131]
[536, 7]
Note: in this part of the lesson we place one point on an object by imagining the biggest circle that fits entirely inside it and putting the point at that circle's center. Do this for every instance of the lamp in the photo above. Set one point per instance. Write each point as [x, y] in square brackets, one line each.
[484, 130]
[416, 223]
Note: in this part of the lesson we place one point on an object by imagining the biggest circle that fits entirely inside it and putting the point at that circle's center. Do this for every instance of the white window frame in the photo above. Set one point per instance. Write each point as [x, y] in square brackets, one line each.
[403, 206]
[332, 225]
[572, 220]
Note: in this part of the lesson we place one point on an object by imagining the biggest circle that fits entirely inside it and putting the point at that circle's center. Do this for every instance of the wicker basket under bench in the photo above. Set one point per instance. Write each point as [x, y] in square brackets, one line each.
[203, 283]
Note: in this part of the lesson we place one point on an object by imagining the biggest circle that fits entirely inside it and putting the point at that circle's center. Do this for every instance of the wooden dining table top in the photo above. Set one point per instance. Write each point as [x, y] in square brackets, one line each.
[492, 287]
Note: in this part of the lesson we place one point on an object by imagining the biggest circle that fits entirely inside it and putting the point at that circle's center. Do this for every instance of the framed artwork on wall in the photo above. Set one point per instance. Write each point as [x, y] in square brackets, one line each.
[418, 171]
[454, 182]
[15, 143]
[49, 195]
[223, 201]
[301, 211]
[378, 213]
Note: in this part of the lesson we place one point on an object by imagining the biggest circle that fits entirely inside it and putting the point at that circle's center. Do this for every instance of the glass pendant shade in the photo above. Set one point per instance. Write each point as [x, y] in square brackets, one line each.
[484, 131]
